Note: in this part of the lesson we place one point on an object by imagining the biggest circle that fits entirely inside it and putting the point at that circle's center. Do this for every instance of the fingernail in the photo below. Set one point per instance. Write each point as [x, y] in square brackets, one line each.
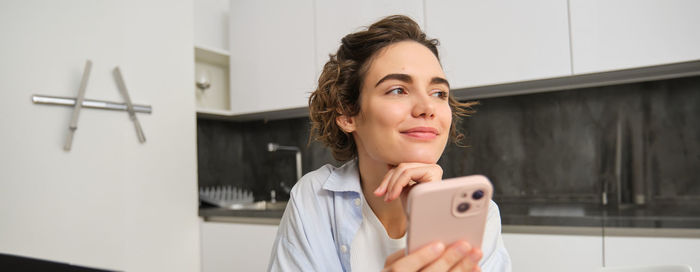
[438, 248]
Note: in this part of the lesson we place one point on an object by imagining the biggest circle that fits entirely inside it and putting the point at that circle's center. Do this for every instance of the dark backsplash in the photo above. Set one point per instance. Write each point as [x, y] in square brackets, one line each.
[235, 153]
[547, 147]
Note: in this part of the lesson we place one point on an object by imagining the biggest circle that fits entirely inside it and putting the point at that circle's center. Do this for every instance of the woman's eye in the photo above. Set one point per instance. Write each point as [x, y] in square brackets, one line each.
[396, 91]
[440, 94]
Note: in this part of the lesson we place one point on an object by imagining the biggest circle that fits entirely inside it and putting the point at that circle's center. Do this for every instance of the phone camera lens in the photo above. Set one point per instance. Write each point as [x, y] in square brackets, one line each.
[478, 194]
[463, 207]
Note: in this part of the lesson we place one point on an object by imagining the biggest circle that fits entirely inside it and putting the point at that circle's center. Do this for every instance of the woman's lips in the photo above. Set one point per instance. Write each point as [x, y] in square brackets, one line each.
[424, 133]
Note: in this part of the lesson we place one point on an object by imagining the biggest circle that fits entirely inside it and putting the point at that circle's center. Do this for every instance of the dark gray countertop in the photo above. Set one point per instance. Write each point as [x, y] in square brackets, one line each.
[564, 215]
[221, 212]
[592, 215]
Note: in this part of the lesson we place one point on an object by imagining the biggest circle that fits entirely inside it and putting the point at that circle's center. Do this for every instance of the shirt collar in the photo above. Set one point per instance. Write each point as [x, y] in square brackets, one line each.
[344, 179]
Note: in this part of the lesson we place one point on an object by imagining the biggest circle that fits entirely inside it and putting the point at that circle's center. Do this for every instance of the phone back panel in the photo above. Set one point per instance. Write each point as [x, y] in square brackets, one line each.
[448, 211]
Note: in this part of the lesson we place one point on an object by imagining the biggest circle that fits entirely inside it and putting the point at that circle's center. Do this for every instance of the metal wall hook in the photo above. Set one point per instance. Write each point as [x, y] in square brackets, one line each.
[73, 126]
[79, 102]
[129, 106]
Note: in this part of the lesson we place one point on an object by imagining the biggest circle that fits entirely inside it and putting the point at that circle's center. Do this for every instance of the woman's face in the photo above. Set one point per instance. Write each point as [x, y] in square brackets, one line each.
[404, 111]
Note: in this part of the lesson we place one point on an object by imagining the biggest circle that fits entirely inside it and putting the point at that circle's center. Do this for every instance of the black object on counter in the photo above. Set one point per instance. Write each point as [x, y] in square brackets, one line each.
[19, 263]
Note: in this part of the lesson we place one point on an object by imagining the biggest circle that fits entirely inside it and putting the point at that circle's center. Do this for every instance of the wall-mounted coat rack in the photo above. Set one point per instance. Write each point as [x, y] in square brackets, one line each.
[87, 103]
[79, 102]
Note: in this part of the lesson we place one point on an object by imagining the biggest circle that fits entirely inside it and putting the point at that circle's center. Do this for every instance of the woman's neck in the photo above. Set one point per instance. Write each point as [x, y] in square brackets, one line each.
[391, 214]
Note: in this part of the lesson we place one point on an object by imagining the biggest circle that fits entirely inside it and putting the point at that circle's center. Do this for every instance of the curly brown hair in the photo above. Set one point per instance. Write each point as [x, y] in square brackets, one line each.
[339, 85]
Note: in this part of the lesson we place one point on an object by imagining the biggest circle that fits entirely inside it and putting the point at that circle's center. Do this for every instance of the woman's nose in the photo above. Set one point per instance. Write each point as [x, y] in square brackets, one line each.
[423, 107]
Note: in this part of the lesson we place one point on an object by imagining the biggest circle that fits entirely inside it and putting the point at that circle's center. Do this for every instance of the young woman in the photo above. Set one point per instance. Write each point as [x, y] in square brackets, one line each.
[382, 106]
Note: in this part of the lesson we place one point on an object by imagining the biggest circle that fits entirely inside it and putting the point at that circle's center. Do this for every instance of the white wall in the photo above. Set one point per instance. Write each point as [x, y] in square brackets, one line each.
[111, 202]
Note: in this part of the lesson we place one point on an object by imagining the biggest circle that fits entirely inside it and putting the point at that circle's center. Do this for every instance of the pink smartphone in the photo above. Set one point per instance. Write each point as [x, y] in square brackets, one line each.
[448, 211]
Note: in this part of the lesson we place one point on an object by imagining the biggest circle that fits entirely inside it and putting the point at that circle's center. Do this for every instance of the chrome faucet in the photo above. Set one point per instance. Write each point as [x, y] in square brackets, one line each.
[272, 147]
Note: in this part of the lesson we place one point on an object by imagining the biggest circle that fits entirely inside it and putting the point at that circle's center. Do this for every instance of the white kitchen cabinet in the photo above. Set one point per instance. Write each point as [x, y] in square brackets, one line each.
[554, 253]
[618, 34]
[111, 202]
[278, 48]
[211, 24]
[335, 19]
[211, 65]
[235, 246]
[493, 42]
[636, 251]
[211, 55]
[271, 55]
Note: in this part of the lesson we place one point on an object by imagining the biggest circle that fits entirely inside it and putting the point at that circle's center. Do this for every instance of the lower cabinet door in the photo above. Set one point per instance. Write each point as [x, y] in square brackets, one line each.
[236, 247]
[554, 253]
[638, 251]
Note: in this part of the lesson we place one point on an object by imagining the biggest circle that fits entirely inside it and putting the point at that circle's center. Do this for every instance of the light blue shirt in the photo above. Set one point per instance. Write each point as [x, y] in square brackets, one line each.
[323, 215]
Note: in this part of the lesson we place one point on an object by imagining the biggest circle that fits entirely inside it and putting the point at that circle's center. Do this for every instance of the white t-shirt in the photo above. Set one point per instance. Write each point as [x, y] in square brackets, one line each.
[372, 244]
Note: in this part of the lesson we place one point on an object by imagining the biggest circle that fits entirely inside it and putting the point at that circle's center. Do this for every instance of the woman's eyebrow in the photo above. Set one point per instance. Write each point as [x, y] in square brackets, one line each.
[407, 78]
[439, 80]
[402, 77]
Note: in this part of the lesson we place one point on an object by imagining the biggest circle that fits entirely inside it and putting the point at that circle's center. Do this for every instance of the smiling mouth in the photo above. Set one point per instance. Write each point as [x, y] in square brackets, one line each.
[423, 133]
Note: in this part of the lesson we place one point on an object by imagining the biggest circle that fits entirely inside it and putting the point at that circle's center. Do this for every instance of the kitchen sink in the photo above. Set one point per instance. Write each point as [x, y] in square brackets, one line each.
[258, 206]
[227, 199]
[274, 206]
[557, 210]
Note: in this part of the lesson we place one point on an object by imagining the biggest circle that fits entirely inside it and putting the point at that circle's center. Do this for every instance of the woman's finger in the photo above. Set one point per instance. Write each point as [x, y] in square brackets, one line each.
[381, 189]
[470, 263]
[417, 259]
[453, 256]
[391, 180]
[401, 180]
[403, 177]
[396, 179]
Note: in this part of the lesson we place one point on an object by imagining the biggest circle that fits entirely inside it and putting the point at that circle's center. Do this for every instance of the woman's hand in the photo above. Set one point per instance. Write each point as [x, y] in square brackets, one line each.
[403, 175]
[460, 256]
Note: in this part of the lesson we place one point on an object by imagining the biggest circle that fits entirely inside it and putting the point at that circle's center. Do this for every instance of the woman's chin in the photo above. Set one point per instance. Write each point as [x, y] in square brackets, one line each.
[419, 157]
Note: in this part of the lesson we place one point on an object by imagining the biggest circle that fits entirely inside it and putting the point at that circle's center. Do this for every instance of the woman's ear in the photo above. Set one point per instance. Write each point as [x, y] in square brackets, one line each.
[346, 123]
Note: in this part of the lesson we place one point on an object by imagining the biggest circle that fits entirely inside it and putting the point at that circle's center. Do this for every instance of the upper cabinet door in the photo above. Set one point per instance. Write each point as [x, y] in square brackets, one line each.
[335, 19]
[492, 42]
[271, 54]
[211, 24]
[618, 34]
